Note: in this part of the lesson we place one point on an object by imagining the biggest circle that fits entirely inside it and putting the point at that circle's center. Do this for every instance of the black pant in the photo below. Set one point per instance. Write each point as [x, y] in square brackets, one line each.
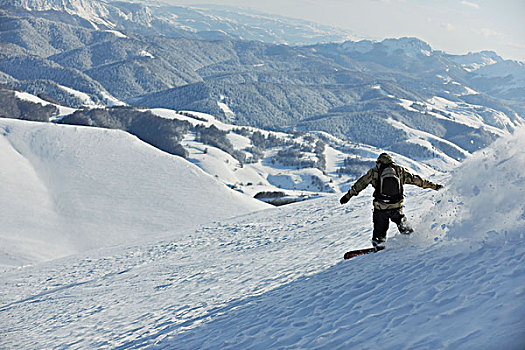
[382, 220]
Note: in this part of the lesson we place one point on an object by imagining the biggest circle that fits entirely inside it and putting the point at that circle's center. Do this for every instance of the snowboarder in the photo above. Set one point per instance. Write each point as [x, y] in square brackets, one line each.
[388, 179]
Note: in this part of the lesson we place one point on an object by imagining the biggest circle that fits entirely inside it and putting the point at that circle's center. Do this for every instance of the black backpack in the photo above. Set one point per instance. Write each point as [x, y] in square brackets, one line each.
[389, 187]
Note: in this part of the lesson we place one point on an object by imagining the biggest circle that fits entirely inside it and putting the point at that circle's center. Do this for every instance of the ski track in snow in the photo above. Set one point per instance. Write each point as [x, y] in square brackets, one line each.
[337, 309]
[276, 279]
[273, 279]
[184, 279]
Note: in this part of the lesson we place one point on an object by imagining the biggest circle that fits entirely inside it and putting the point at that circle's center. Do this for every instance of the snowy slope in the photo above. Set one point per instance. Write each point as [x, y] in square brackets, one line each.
[464, 291]
[62, 110]
[67, 189]
[276, 279]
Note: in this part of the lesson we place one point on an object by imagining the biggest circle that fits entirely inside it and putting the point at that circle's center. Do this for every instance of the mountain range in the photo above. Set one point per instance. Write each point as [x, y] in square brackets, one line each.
[397, 94]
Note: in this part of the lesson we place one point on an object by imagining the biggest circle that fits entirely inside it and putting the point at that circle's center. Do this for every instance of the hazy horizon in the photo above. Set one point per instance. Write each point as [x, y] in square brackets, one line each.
[453, 26]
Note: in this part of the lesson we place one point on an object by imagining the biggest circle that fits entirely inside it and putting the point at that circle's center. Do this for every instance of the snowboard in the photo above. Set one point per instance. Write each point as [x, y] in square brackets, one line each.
[354, 253]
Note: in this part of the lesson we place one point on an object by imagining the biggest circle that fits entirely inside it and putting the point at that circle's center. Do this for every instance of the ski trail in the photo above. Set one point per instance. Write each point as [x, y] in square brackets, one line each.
[187, 277]
[190, 279]
[34, 298]
[339, 309]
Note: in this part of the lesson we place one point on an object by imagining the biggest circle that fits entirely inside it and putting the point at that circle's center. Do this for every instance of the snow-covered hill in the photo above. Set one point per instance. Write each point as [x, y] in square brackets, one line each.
[494, 75]
[276, 278]
[68, 189]
[473, 61]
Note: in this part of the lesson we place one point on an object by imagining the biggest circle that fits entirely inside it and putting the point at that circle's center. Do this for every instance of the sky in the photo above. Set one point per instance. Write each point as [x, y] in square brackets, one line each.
[454, 26]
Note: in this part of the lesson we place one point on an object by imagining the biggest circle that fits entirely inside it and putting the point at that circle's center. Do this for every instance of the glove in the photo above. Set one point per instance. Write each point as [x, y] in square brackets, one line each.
[438, 187]
[344, 199]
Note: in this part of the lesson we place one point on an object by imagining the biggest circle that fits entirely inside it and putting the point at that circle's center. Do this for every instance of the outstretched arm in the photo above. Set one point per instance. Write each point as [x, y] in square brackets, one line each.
[359, 185]
[414, 179]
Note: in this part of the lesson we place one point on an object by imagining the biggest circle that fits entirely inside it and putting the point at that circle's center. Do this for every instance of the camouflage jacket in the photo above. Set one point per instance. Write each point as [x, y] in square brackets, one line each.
[372, 176]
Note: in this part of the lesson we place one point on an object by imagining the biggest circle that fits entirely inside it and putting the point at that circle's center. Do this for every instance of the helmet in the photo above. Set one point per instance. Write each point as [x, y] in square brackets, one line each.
[385, 158]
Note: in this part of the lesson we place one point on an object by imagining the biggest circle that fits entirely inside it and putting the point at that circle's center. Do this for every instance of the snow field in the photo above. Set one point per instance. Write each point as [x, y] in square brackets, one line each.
[69, 189]
[149, 291]
[276, 278]
[466, 290]
[404, 299]
[494, 121]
